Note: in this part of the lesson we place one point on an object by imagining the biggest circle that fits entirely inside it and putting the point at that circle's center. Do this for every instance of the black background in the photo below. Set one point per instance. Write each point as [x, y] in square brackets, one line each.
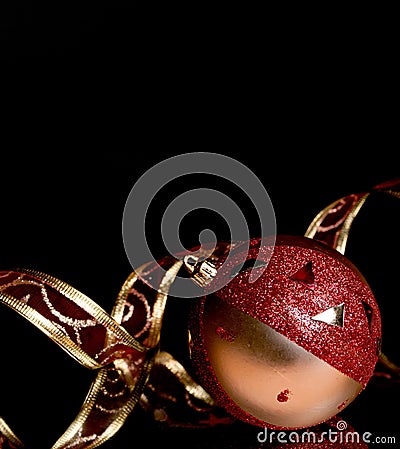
[95, 95]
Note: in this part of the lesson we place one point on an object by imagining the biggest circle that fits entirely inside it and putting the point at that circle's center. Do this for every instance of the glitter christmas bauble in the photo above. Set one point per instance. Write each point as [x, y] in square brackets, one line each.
[292, 348]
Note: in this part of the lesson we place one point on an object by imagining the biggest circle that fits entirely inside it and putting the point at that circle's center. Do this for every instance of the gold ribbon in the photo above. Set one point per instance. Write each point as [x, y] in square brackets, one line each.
[129, 370]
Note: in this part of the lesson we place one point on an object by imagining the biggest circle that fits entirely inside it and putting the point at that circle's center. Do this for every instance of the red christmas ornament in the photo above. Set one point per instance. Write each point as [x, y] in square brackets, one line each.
[293, 348]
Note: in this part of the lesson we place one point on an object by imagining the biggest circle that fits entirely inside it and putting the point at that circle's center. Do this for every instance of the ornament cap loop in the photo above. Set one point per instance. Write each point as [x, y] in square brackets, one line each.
[201, 270]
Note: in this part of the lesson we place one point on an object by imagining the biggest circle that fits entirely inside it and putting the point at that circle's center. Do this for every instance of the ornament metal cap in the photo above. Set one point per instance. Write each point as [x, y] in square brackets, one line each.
[201, 270]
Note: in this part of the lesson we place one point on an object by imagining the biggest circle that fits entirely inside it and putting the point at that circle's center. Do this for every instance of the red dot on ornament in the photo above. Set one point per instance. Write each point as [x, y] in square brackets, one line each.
[283, 396]
[225, 334]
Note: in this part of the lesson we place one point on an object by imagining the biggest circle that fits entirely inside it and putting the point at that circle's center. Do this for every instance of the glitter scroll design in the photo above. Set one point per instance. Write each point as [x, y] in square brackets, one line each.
[69, 318]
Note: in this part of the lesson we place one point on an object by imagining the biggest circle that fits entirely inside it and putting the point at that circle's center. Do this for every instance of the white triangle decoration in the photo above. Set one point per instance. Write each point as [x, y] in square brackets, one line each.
[333, 316]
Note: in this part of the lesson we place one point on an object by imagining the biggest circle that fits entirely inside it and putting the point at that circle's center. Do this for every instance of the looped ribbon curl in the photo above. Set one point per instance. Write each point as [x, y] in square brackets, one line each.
[122, 347]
